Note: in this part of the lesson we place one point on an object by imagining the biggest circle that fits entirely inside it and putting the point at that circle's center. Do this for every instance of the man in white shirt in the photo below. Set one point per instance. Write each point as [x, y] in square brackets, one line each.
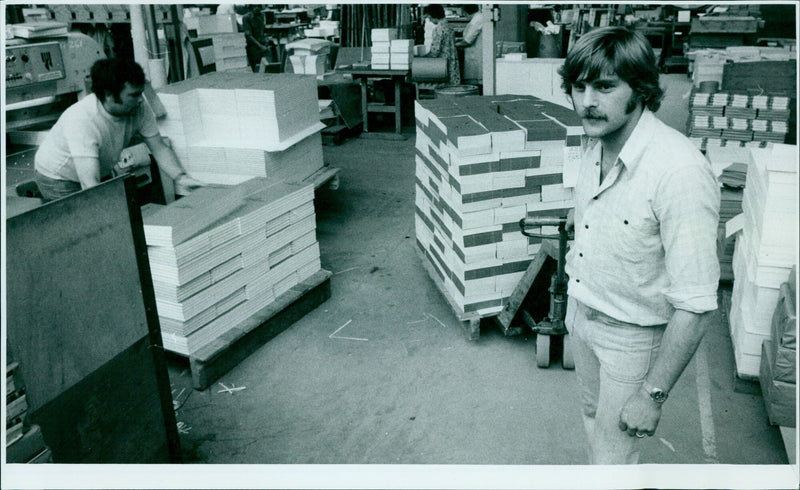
[643, 270]
[85, 143]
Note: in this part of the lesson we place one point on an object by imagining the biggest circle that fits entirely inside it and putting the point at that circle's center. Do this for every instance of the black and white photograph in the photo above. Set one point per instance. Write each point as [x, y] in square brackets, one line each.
[517, 245]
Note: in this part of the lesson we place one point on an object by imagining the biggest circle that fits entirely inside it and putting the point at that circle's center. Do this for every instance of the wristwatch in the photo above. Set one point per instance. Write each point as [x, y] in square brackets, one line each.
[656, 394]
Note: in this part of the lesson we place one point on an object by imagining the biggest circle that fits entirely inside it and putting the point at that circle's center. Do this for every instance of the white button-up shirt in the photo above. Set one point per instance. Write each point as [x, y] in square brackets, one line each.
[645, 238]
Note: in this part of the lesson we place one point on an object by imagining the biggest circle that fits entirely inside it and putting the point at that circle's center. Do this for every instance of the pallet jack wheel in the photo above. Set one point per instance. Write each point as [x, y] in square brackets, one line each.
[567, 361]
[542, 350]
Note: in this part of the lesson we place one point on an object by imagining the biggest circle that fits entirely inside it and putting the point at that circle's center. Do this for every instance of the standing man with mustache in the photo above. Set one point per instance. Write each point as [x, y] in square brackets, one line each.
[643, 269]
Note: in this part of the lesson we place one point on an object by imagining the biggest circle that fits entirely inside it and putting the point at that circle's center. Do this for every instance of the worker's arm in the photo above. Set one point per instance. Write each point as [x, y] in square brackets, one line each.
[681, 338]
[167, 161]
[88, 169]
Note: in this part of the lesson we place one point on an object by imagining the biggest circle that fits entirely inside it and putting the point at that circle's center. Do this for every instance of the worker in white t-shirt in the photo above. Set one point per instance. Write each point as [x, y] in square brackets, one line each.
[471, 43]
[83, 146]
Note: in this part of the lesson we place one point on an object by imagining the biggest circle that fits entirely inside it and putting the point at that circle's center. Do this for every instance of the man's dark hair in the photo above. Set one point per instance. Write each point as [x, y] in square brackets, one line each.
[615, 50]
[109, 76]
[435, 10]
[470, 8]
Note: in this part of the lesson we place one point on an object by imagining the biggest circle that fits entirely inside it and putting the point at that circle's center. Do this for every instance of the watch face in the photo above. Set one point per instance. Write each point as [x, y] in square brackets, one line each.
[658, 396]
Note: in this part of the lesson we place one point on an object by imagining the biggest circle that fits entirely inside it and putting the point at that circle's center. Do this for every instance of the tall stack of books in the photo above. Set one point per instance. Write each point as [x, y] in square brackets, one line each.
[229, 127]
[483, 164]
[221, 254]
[382, 48]
[741, 120]
[765, 250]
[24, 443]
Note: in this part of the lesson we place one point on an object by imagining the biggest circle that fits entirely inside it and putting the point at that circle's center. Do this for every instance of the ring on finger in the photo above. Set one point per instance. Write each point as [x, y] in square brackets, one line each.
[640, 435]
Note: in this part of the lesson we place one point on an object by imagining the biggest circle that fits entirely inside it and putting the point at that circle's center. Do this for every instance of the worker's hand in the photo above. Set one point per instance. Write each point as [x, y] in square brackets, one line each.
[461, 44]
[640, 415]
[187, 183]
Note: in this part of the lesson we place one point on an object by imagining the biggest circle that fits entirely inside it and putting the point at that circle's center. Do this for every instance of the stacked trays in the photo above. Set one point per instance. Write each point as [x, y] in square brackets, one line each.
[214, 264]
[228, 127]
[483, 164]
[765, 251]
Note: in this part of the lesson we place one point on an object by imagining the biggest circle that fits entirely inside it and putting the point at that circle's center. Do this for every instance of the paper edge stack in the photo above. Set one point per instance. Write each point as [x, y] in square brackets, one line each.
[473, 185]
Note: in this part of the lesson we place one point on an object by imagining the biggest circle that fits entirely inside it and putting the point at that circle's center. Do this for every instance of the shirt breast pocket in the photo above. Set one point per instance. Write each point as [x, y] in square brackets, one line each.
[637, 237]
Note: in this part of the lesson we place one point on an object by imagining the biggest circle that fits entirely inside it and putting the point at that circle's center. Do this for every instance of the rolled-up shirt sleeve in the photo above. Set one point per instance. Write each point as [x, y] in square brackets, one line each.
[688, 211]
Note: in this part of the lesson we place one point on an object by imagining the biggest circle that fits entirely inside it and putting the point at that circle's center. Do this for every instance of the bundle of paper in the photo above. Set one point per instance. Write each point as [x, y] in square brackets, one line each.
[238, 264]
[483, 164]
[765, 249]
[228, 126]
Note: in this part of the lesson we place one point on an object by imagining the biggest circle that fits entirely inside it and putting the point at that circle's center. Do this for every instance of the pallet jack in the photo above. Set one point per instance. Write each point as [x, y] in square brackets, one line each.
[551, 325]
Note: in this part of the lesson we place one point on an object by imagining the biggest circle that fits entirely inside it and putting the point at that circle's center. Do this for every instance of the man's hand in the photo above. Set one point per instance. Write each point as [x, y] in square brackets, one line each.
[640, 415]
[187, 183]
[570, 224]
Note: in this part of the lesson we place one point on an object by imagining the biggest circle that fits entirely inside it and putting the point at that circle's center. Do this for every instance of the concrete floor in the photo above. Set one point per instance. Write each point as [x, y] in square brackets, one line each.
[400, 384]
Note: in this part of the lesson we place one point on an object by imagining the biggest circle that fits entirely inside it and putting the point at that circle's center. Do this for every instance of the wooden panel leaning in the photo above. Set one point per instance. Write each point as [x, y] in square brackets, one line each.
[82, 323]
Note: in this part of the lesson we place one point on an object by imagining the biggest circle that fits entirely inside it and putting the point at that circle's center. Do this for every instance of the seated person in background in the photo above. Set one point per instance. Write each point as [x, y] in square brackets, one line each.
[443, 43]
[85, 143]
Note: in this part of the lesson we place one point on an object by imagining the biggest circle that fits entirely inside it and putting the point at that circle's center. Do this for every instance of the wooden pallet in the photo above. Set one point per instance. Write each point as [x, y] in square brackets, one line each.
[209, 363]
[326, 175]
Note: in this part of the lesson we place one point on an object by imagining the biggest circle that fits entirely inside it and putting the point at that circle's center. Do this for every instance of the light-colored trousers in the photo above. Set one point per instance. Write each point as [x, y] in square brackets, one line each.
[612, 359]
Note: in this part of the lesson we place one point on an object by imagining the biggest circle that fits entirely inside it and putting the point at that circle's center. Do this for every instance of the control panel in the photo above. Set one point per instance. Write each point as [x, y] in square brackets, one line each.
[27, 64]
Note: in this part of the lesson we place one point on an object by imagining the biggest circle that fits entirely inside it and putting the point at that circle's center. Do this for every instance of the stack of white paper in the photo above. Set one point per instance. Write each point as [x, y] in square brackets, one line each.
[227, 125]
[211, 281]
[765, 250]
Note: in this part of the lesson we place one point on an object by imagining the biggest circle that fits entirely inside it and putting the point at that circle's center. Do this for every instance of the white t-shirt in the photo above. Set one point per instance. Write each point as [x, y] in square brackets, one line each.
[87, 130]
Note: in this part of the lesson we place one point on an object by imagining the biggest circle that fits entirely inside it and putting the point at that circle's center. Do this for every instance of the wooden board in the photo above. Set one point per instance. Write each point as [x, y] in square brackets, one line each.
[81, 306]
[211, 362]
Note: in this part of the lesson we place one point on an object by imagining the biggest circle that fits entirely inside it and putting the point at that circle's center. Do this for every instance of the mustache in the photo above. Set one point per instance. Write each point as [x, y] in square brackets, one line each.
[592, 114]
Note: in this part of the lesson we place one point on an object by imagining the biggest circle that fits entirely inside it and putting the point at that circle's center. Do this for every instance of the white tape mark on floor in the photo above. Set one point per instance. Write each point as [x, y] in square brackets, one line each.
[440, 322]
[704, 402]
[333, 335]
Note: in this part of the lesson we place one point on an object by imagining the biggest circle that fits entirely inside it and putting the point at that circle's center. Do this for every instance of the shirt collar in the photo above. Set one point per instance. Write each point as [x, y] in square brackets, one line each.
[639, 140]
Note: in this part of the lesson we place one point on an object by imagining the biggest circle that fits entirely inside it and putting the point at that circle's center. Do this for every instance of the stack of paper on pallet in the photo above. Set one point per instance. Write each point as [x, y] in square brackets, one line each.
[483, 164]
[765, 250]
[228, 126]
[225, 271]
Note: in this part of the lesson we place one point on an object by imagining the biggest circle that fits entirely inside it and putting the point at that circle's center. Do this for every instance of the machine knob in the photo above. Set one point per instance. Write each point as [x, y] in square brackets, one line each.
[11, 58]
[29, 76]
[24, 58]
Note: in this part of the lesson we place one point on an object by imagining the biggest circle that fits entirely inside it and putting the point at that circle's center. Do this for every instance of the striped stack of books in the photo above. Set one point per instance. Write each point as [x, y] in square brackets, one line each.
[731, 119]
[215, 263]
[228, 127]
[483, 164]
[765, 250]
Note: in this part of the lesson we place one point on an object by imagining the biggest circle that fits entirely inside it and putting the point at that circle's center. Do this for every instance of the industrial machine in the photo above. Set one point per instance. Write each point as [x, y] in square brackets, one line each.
[553, 323]
[45, 76]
